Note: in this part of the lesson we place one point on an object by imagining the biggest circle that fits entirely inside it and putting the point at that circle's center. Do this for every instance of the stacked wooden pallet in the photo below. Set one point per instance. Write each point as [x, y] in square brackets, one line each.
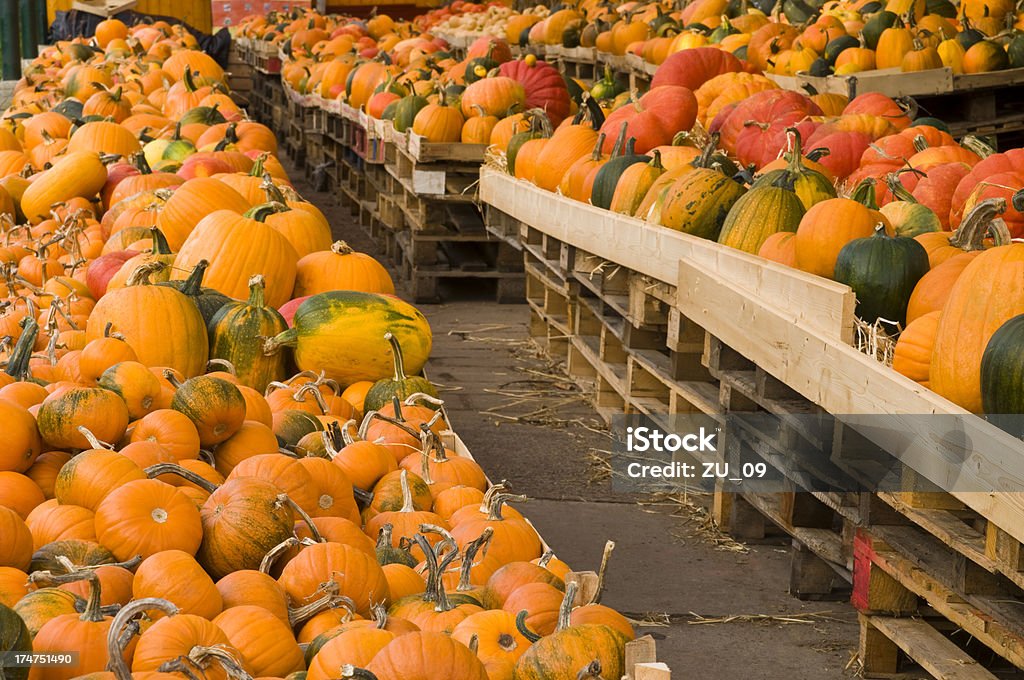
[659, 323]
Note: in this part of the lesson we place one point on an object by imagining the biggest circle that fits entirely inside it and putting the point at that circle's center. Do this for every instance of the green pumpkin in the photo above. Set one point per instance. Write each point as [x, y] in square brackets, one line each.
[836, 46]
[341, 333]
[292, 425]
[969, 35]
[606, 88]
[699, 202]
[70, 109]
[882, 271]
[931, 122]
[1002, 374]
[406, 109]
[808, 184]
[208, 300]
[908, 217]
[14, 637]
[1015, 51]
[572, 32]
[724, 30]
[207, 115]
[400, 385]
[237, 332]
[874, 27]
[758, 214]
[800, 11]
[607, 177]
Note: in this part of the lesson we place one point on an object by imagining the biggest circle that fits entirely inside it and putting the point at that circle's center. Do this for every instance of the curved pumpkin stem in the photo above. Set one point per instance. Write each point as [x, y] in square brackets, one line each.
[591, 671]
[970, 235]
[330, 600]
[140, 275]
[267, 563]
[18, 365]
[469, 554]
[892, 180]
[499, 500]
[609, 547]
[314, 532]
[565, 610]
[523, 629]
[171, 468]
[123, 628]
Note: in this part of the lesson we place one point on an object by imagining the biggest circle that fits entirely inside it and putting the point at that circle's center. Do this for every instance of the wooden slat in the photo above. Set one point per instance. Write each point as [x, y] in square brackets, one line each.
[654, 251]
[844, 381]
[929, 649]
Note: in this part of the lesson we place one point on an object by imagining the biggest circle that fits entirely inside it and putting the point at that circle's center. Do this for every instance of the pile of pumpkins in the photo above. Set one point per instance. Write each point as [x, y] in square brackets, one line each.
[822, 38]
[218, 459]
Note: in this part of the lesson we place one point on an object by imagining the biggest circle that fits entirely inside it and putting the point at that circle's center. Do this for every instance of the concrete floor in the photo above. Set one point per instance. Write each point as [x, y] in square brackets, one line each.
[526, 423]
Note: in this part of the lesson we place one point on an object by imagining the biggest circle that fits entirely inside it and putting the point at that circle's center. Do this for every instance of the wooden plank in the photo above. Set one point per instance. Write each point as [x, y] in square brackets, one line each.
[930, 649]
[844, 381]
[654, 251]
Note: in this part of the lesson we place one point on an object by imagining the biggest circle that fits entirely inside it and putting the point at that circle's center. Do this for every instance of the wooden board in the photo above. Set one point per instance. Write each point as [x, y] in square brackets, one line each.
[893, 82]
[654, 251]
[844, 381]
[942, 659]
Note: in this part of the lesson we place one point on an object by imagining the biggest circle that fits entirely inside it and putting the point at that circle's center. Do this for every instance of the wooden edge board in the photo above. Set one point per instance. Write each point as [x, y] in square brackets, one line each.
[844, 381]
[932, 651]
[654, 251]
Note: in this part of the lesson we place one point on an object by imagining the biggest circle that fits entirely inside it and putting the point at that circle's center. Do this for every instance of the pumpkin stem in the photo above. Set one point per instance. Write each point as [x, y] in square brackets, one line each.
[469, 555]
[920, 143]
[138, 159]
[596, 155]
[261, 212]
[379, 615]
[523, 630]
[173, 469]
[18, 365]
[396, 352]
[267, 563]
[706, 157]
[620, 141]
[892, 180]
[609, 546]
[313, 530]
[274, 193]
[193, 285]
[864, 193]
[970, 235]
[140, 275]
[202, 658]
[330, 600]
[546, 558]
[565, 610]
[341, 248]
[94, 442]
[288, 338]
[474, 643]
[123, 628]
[160, 245]
[494, 511]
[431, 594]
[407, 500]
[172, 378]
[975, 144]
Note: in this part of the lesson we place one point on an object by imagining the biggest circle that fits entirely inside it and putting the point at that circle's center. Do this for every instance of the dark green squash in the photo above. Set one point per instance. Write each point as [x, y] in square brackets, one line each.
[400, 385]
[969, 35]
[237, 332]
[1015, 51]
[208, 300]
[724, 30]
[1002, 376]
[943, 8]
[14, 637]
[836, 46]
[292, 425]
[607, 177]
[931, 122]
[81, 552]
[406, 109]
[758, 214]
[801, 11]
[606, 88]
[874, 27]
[882, 271]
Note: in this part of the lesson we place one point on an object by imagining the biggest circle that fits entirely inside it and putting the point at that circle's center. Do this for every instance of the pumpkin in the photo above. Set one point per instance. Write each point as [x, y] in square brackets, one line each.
[418, 655]
[101, 411]
[932, 291]
[982, 299]
[236, 247]
[342, 334]
[882, 271]
[162, 326]
[341, 268]
[74, 174]
[606, 177]
[135, 384]
[655, 118]
[810, 185]
[495, 96]
[214, 406]
[242, 520]
[251, 587]
[172, 430]
[400, 385]
[14, 639]
[191, 202]
[357, 575]
[207, 300]
[699, 202]
[356, 646]
[912, 355]
[22, 443]
[759, 213]
[984, 56]
[586, 650]
[146, 516]
[439, 123]
[236, 335]
[543, 85]
[16, 545]
[825, 229]
[266, 644]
